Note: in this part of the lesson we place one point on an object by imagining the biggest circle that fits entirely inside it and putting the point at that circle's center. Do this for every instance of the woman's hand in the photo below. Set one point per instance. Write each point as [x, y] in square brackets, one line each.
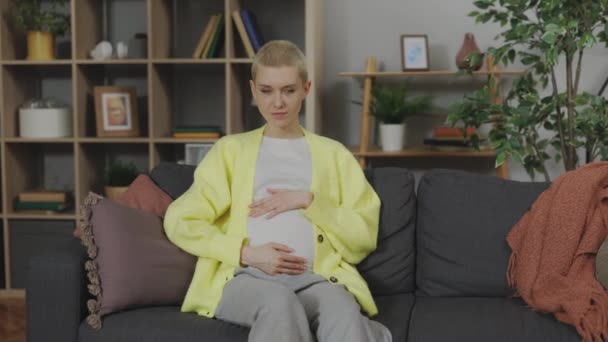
[273, 258]
[280, 200]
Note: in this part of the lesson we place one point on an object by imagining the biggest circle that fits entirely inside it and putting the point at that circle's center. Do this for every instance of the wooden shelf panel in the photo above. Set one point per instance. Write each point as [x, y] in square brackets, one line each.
[182, 141]
[380, 74]
[424, 151]
[39, 140]
[189, 61]
[37, 63]
[112, 61]
[241, 60]
[93, 140]
[40, 215]
[12, 293]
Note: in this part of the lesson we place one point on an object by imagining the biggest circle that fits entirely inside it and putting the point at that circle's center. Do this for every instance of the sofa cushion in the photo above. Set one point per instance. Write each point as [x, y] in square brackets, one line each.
[483, 319]
[132, 262]
[173, 178]
[169, 324]
[144, 194]
[394, 313]
[390, 268]
[462, 222]
[162, 324]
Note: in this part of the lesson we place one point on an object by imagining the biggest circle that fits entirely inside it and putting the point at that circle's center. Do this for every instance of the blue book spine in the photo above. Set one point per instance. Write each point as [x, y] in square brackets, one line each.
[252, 28]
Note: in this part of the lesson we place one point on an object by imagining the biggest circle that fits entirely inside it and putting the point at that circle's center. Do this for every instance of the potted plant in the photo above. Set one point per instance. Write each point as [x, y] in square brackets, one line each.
[535, 124]
[119, 176]
[391, 106]
[41, 24]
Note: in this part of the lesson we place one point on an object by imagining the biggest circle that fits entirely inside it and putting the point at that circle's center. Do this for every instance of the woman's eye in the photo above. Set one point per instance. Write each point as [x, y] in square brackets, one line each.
[266, 91]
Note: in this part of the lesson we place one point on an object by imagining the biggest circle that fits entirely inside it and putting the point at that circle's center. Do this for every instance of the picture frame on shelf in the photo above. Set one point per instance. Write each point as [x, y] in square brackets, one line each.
[415, 52]
[116, 111]
[194, 153]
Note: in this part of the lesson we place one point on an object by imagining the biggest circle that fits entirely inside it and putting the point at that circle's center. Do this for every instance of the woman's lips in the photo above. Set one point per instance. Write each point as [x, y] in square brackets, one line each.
[279, 115]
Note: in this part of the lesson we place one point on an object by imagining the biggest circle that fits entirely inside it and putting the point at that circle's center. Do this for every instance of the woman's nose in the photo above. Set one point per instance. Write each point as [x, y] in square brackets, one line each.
[277, 100]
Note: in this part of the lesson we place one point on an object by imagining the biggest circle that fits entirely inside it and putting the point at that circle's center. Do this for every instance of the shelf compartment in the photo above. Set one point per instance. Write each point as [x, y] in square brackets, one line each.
[175, 152]
[23, 82]
[277, 19]
[30, 237]
[170, 38]
[94, 160]
[32, 166]
[88, 76]
[122, 20]
[13, 42]
[187, 95]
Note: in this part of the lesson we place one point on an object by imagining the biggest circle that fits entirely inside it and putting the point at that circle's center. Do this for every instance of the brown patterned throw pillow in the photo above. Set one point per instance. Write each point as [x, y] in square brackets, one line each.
[131, 262]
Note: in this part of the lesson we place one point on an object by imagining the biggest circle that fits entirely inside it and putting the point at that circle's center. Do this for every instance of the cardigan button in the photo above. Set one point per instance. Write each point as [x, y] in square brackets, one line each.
[333, 279]
[320, 238]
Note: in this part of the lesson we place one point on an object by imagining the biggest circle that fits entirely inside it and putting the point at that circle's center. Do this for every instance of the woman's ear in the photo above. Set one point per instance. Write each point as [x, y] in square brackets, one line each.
[307, 87]
[252, 87]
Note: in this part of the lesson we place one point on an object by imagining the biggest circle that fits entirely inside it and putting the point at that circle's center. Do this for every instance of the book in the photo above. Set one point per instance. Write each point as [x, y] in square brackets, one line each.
[252, 28]
[197, 129]
[218, 39]
[53, 206]
[197, 135]
[240, 27]
[204, 37]
[43, 196]
[444, 131]
[450, 142]
[214, 30]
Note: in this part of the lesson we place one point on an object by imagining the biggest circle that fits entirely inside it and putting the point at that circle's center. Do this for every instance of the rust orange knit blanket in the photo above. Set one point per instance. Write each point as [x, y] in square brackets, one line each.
[552, 265]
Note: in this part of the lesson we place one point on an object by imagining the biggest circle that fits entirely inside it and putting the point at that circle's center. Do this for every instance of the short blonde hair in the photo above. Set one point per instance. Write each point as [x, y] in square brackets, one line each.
[277, 53]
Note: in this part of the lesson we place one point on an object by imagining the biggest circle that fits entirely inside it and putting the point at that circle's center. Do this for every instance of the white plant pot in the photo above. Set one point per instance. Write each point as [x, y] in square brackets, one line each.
[392, 136]
[45, 123]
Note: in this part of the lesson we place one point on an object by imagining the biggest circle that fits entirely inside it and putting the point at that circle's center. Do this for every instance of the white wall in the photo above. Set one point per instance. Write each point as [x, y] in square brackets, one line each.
[357, 29]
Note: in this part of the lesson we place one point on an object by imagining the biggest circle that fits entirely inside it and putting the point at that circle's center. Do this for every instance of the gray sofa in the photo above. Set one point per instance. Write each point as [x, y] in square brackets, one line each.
[438, 273]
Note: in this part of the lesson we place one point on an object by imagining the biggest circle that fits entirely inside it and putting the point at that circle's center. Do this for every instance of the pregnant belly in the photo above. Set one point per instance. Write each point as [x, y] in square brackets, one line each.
[289, 228]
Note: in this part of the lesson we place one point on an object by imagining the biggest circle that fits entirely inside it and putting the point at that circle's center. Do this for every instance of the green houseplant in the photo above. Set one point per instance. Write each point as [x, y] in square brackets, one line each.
[391, 106]
[41, 24]
[119, 176]
[539, 120]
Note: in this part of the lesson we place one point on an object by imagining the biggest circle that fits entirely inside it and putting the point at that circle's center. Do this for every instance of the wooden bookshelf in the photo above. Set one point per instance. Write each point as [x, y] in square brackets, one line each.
[364, 151]
[217, 89]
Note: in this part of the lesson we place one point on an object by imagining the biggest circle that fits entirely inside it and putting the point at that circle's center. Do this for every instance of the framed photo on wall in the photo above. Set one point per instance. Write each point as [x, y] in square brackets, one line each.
[414, 52]
[116, 111]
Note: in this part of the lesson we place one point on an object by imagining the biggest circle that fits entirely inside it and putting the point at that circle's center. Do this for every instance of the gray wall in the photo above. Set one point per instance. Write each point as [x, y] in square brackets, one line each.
[357, 29]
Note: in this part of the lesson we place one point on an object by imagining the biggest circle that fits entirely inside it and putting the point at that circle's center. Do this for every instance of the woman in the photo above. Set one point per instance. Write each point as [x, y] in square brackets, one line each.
[279, 216]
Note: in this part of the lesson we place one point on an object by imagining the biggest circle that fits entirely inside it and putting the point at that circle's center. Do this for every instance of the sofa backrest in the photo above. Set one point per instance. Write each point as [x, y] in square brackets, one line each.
[462, 223]
[390, 268]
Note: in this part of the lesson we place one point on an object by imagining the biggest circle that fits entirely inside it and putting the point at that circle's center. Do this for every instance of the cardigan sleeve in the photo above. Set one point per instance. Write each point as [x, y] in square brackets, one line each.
[191, 220]
[351, 225]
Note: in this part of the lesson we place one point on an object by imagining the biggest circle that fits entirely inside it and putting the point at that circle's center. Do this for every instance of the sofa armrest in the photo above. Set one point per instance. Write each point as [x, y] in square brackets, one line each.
[56, 293]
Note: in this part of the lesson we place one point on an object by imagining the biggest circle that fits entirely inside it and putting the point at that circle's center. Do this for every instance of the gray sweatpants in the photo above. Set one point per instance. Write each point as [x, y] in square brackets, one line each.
[295, 308]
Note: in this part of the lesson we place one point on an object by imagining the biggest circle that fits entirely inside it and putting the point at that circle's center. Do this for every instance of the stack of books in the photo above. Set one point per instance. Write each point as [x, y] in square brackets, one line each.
[53, 201]
[197, 132]
[249, 31]
[211, 42]
[451, 136]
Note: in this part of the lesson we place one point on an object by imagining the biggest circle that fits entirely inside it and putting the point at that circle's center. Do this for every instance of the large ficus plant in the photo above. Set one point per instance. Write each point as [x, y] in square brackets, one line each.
[545, 35]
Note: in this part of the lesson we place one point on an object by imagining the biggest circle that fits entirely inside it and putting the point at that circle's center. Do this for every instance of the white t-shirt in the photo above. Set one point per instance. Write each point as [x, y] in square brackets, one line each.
[283, 164]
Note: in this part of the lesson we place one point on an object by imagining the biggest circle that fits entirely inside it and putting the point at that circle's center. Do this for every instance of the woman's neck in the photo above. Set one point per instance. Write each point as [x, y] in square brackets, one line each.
[273, 132]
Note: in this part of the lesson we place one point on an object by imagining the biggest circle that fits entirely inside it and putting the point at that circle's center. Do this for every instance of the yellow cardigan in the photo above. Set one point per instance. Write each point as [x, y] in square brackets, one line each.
[210, 219]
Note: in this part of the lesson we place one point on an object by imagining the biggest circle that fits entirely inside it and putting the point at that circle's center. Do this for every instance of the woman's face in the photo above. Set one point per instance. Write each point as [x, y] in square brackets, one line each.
[279, 92]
